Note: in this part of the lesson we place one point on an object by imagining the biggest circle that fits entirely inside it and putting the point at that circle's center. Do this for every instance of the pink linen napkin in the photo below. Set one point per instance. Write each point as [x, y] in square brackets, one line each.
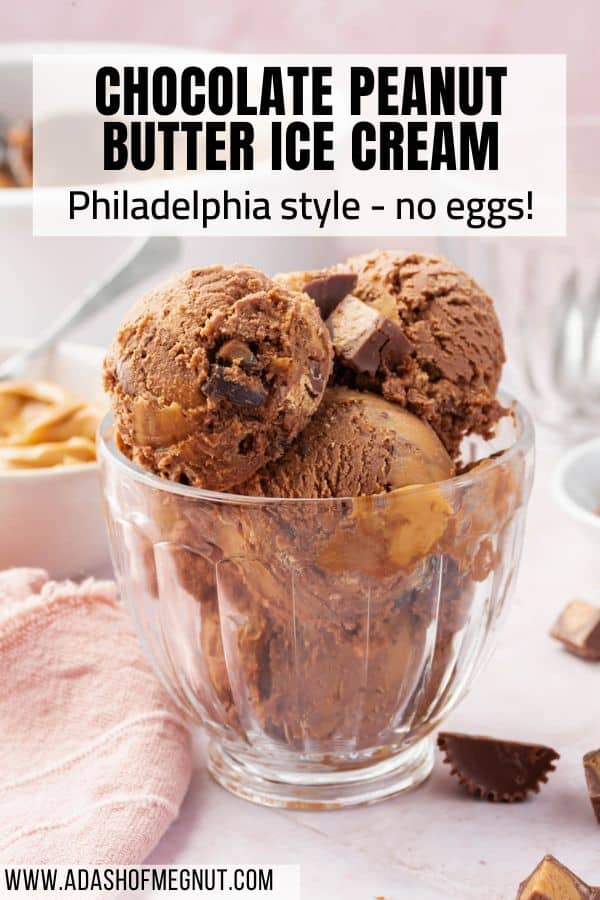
[94, 760]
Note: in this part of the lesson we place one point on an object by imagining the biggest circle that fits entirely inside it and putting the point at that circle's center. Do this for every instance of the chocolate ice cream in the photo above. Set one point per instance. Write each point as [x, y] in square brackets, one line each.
[324, 625]
[214, 373]
[450, 375]
[356, 444]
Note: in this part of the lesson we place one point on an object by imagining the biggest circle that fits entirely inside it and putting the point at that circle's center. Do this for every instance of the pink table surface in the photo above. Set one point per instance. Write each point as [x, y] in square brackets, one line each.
[435, 842]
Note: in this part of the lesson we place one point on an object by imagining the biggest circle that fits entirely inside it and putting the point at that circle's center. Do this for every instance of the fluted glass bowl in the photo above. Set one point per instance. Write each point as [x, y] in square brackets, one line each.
[320, 642]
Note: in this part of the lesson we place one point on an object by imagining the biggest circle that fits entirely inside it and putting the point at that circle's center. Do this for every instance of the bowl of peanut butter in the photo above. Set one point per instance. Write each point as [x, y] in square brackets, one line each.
[50, 499]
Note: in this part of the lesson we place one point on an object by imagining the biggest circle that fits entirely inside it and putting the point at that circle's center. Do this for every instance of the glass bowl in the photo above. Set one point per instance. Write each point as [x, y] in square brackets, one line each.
[320, 642]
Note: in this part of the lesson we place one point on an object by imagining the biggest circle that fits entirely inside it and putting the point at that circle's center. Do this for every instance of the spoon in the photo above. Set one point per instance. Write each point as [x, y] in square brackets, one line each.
[142, 258]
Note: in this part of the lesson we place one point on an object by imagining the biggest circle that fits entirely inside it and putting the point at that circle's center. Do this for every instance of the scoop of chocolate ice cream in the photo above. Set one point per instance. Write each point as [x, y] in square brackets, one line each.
[356, 444]
[214, 373]
[450, 371]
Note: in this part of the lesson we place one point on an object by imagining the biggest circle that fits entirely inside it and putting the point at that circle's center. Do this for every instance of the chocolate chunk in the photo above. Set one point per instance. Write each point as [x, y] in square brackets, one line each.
[315, 380]
[578, 628]
[591, 765]
[247, 393]
[550, 880]
[238, 353]
[328, 290]
[385, 345]
[364, 339]
[497, 770]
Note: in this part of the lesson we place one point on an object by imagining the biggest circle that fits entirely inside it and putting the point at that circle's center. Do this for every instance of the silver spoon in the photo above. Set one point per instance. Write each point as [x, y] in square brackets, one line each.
[142, 258]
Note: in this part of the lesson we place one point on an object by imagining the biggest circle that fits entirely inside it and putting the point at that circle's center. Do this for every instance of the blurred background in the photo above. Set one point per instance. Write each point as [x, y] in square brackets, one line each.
[379, 26]
[547, 291]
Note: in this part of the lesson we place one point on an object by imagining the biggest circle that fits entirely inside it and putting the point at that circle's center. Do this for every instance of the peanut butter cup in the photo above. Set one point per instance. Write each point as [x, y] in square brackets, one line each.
[550, 880]
[496, 770]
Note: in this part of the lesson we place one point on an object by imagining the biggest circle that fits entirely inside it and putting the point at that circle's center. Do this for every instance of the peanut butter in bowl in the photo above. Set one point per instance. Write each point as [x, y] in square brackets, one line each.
[43, 425]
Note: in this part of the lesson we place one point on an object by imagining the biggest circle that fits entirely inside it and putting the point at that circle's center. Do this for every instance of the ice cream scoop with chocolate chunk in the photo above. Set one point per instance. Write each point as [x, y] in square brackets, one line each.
[451, 363]
[215, 373]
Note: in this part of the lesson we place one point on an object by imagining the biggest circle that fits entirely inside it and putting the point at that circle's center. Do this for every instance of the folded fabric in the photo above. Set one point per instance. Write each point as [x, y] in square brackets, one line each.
[95, 760]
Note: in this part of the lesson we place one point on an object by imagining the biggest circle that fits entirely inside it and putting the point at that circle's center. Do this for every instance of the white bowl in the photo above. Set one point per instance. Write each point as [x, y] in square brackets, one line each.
[577, 483]
[52, 518]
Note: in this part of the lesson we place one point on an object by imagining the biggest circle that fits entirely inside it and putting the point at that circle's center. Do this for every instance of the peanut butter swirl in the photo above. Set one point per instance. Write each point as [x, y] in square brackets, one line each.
[42, 425]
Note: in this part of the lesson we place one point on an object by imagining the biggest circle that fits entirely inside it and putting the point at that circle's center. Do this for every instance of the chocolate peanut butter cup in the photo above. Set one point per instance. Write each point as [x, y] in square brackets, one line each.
[363, 339]
[551, 880]
[578, 629]
[496, 770]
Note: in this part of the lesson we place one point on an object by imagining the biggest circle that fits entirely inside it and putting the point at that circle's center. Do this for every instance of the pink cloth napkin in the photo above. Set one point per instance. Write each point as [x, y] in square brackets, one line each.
[94, 760]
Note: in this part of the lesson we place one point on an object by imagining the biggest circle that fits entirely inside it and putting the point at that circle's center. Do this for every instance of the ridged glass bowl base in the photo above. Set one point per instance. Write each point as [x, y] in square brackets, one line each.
[320, 791]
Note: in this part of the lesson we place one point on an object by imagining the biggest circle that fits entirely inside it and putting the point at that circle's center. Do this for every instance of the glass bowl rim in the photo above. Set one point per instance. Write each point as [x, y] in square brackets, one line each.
[524, 442]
